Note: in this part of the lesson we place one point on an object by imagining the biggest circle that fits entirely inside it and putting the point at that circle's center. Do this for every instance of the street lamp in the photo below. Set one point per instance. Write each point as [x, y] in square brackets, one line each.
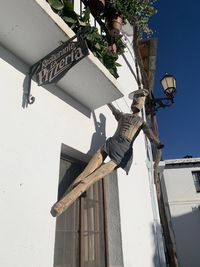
[168, 83]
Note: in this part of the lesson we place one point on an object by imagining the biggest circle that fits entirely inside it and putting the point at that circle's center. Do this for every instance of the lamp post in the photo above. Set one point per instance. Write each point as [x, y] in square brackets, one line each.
[168, 83]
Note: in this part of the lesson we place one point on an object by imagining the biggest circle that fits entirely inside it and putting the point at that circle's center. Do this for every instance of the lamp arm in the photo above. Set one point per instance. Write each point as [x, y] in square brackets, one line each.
[170, 99]
[161, 102]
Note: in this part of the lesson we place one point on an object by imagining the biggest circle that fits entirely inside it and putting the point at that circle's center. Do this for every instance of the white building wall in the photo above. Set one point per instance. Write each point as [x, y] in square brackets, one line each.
[30, 145]
[137, 197]
[181, 175]
[182, 204]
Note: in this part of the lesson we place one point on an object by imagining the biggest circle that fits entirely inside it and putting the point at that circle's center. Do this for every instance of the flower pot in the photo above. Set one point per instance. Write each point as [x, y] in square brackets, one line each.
[112, 48]
[114, 25]
[96, 7]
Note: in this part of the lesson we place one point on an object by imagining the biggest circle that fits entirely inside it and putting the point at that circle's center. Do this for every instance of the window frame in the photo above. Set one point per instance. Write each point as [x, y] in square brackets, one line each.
[81, 212]
[196, 180]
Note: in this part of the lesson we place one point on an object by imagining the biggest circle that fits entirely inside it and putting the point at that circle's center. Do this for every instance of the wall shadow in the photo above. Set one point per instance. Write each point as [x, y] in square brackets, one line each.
[186, 230]
[24, 68]
[61, 94]
[72, 169]
[99, 136]
[159, 258]
[76, 166]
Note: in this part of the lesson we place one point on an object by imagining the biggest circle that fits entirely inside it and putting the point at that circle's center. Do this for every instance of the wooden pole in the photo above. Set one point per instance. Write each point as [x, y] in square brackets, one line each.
[168, 241]
[81, 187]
[95, 162]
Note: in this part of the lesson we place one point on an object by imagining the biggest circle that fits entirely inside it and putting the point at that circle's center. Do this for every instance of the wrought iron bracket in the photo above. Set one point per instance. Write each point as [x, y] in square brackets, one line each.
[30, 99]
[154, 104]
[161, 102]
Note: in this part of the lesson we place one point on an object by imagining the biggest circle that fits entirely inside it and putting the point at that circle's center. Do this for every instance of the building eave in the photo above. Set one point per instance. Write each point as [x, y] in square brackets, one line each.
[182, 161]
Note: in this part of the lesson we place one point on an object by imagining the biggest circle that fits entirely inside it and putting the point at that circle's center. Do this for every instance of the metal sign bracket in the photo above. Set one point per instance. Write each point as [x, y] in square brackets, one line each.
[30, 99]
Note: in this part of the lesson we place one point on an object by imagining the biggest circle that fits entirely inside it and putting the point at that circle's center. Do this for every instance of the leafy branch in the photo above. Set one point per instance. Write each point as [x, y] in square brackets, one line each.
[137, 12]
[97, 43]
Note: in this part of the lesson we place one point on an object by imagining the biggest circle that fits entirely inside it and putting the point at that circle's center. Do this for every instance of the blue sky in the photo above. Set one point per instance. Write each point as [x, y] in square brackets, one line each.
[176, 25]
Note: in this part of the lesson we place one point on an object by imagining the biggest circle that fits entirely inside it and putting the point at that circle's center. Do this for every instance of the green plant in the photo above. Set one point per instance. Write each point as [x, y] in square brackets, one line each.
[136, 12]
[97, 43]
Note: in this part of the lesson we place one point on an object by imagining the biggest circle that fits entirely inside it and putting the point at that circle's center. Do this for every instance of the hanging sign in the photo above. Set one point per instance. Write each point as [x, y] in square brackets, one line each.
[56, 64]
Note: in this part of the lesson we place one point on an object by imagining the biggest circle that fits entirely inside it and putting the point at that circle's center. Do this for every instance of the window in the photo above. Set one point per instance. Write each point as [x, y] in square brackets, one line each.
[80, 230]
[196, 177]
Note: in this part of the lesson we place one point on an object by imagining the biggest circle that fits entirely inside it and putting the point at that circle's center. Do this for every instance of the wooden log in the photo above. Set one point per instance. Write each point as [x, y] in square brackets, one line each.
[77, 191]
[93, 164]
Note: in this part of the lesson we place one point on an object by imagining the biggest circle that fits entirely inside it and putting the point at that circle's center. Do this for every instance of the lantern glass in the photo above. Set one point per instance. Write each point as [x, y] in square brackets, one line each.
[169, 85]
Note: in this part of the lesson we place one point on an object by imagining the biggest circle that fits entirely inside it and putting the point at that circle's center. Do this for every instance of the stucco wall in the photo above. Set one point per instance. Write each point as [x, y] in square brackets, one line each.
[30, 145]
[179, 183]
[182, 200]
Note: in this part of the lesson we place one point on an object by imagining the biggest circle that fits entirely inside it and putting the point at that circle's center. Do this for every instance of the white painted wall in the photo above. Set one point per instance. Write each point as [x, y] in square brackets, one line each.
[30, 145]
[182, 201]
[137, 195]
[179, 182]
